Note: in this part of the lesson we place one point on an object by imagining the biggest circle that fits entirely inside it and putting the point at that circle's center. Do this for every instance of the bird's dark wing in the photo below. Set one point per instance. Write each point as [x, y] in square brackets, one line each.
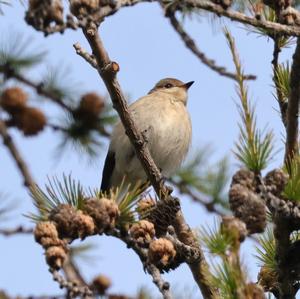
[108, 169]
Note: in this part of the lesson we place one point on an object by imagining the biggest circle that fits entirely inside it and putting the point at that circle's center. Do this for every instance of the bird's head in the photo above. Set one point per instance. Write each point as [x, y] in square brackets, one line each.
[174, 87]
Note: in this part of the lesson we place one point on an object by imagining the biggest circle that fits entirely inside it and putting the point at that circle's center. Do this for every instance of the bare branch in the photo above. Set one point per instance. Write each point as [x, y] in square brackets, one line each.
[8, 232]
[163, 286]
[73, 289]
[9, 143]
[190, 44]
[210, 206]
[293, 107]
[281, 102]
[85, 55]
[273, 27]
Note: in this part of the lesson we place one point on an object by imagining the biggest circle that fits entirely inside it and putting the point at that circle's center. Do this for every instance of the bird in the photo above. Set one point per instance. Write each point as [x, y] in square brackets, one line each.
[163, 119]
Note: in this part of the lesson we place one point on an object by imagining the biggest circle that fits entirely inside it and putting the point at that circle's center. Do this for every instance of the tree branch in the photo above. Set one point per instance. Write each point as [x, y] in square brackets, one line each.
[273, 27]
[10, 73]
[28, 180]
[280, 99]
[9, 143]
[190, 44]
[85, 55]
[7, 232]
[107, 70]
[209, 205]
[163, 286]
[293, 107]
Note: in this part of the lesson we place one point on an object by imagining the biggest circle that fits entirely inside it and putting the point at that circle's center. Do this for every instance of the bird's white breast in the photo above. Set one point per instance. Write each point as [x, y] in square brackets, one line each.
[166, 125]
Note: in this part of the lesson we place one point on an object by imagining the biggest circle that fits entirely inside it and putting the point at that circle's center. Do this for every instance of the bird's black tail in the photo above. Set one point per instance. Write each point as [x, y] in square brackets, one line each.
[108, 169]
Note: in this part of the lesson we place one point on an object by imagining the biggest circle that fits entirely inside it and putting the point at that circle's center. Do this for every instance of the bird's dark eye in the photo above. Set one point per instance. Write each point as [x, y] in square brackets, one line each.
[168, 85]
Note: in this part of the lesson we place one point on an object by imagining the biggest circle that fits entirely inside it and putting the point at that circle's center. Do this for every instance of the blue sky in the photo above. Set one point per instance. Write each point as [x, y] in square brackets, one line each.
[147, 49]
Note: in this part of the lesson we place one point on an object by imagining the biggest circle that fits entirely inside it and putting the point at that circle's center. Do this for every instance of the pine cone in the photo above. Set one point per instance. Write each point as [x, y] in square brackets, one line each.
[254, 291]
[13, 100]
[235, 228]
[30, 121]
[41, 14]
[55, 257]
[85, 225]
[268, 279]
[142, 232]
[81, 8]
[276, 180]
[63, 216]
[45, 229]
[144, 206]
[91, 105]
[100, 284]
[245, 178]
[161, 252]
[45, 233]
[248, 207]
[163, 214]
[104, 212]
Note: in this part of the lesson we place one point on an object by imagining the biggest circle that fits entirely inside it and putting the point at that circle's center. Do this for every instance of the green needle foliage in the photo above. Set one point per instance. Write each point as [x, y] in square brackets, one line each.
[282, 80]
[254, 148]
[83, 252]
[292, 188]
[227, 280]
[66, 192]
[71, 192]
[210, 181]
[126, 201]
[57, 81]
[217, 242]
[17, 53]
[85, 137]
[266, 251]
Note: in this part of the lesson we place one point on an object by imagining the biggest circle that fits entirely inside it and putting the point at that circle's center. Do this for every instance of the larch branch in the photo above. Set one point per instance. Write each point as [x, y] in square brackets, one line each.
[9, 143]
[38, 87]
[191, 45]
[273, 27]
[293, 107]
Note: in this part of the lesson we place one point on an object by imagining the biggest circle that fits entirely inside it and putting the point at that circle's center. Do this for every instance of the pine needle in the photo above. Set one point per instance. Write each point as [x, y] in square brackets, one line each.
[254, 148]
[266, 251]
[17, 53]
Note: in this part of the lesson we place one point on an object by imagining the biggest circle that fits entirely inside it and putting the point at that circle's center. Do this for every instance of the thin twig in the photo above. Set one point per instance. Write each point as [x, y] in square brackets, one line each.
[7, 232]
[85, 55]
[280, 99]
[163, 286]
[9, 143]
[190, 253]
[190, 44]
[107, 70]
[109, 10]
[10, 73]
[210, 206]
[293, 107]
[74, 290]
[273, 27]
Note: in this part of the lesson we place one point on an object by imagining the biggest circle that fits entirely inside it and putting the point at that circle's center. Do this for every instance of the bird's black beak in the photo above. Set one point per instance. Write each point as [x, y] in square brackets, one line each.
[188, 85]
